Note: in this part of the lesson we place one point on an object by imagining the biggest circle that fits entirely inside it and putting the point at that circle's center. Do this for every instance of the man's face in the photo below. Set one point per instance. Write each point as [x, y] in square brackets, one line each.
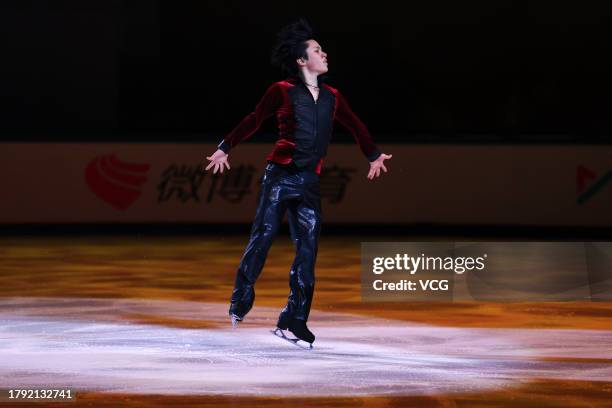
[317, 59]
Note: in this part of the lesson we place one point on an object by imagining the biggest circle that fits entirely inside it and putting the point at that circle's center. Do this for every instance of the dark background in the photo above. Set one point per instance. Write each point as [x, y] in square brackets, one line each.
[498, 71]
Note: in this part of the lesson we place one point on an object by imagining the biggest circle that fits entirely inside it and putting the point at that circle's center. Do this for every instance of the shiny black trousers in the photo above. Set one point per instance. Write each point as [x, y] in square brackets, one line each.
[284, 189]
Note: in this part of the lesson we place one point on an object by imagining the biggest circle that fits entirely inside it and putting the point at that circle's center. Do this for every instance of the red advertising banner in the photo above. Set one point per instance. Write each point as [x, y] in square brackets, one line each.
[159, 183]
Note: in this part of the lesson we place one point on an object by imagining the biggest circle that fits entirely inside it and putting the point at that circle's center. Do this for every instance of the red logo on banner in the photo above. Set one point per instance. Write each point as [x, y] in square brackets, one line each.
[584, 176]
[114, 181]
[588, 184]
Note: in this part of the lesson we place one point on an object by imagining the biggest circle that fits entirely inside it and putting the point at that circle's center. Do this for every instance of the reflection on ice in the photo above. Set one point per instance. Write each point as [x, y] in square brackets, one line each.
[89, 344]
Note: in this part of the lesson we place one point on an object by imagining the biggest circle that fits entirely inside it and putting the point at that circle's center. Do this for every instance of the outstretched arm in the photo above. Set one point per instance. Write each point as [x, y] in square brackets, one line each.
[378, 164]
[249, 125]
[219, 160]
[349, 120]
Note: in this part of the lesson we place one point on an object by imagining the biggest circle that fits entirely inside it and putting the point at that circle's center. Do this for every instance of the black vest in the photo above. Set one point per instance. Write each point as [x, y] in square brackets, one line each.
[313, 124]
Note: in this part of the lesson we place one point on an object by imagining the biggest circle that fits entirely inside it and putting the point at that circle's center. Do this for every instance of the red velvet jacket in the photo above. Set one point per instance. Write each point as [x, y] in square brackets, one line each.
[304, 124]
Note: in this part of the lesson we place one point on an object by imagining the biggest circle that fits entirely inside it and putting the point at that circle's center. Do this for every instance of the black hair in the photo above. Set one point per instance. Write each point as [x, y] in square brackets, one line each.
[291, 45]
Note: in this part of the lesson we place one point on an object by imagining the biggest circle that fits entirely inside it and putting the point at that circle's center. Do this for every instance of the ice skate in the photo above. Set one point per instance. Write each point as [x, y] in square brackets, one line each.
[236, 312]
[297, 327]
[281, 334]
[283, 322]
[235, 320]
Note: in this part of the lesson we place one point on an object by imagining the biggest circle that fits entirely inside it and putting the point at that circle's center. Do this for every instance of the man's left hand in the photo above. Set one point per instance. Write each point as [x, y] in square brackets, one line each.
[378, 164]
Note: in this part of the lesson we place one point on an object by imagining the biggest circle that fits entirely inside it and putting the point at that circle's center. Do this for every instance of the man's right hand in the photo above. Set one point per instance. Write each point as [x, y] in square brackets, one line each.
[219, 160]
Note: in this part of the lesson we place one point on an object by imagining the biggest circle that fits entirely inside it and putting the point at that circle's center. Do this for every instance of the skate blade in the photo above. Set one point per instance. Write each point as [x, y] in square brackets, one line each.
[235, 320]
[293, 341]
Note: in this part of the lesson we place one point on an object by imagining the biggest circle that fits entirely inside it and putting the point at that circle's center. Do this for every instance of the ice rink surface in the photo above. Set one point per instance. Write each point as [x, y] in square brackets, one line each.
[94, 344]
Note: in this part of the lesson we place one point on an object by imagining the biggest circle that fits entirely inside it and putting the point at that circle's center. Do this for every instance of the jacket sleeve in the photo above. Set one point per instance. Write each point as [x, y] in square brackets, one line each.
[266, 107]
[349, 120]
